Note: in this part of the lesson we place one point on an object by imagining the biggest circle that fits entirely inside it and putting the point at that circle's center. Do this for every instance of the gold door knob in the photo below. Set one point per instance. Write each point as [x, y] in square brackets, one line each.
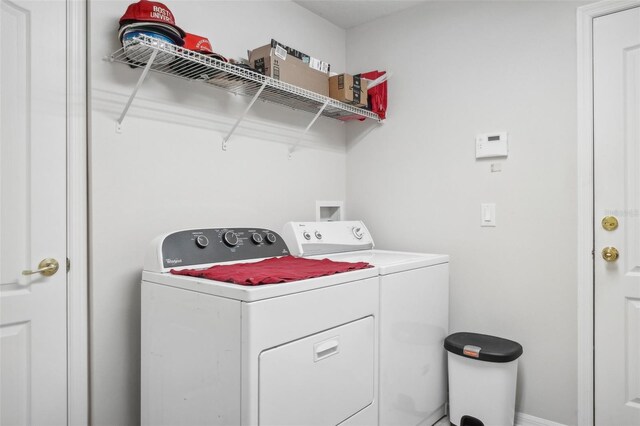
[610, 254]
[47, 268]
[609, 223]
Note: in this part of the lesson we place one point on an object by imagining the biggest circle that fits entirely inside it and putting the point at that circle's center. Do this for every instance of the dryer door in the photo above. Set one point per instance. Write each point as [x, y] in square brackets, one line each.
[322, 379]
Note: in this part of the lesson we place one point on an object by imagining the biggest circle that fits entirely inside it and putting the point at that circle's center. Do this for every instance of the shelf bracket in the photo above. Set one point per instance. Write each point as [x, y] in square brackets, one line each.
[225, 140]
[135, 90]
[318, 114]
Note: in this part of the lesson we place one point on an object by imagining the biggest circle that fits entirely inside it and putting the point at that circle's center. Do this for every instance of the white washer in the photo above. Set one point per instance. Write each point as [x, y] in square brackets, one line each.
[414, 316]
[215, 353]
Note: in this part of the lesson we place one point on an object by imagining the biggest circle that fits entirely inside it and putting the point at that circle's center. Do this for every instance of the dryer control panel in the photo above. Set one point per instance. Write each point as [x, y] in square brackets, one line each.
[317, 238]
[199, 248]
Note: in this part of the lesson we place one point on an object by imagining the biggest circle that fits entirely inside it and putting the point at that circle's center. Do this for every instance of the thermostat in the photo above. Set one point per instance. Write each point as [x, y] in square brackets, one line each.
[492, 145]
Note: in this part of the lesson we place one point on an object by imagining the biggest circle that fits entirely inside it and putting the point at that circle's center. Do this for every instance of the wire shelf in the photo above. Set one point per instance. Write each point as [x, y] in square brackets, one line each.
[188, 65]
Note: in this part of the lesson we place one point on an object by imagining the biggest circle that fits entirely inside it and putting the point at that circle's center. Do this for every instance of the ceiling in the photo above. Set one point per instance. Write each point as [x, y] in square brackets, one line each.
[351, 13]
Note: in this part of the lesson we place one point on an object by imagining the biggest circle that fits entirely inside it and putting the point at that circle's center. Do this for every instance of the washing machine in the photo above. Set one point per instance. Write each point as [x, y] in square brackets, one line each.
[414, 316]
[216, 353]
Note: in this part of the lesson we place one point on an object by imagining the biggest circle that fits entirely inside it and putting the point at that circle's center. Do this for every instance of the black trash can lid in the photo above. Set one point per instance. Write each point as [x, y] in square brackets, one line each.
[483, 347]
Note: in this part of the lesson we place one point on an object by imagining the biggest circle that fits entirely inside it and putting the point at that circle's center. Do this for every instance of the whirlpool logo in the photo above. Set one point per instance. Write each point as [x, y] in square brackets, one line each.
[173, 261]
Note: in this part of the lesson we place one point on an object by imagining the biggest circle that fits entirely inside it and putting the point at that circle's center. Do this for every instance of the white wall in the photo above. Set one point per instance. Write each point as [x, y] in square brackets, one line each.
[461, 68]
[166, 170]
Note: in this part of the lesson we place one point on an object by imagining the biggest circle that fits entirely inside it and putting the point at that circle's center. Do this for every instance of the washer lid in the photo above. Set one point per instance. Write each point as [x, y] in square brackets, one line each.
[390, 262]
[483, 347]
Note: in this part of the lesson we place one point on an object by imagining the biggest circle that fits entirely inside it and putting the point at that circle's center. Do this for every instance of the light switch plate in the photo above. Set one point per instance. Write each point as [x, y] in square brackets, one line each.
[488, 214]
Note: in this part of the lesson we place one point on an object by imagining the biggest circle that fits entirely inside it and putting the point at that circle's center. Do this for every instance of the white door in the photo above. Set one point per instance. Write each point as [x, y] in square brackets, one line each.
[616, 68]
[33, 308]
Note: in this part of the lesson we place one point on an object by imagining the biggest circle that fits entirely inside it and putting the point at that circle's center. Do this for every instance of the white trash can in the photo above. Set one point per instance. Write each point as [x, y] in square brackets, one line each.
[482, 379]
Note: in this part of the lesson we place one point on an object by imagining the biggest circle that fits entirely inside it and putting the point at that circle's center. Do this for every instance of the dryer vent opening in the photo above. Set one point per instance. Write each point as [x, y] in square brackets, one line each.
[470, 421]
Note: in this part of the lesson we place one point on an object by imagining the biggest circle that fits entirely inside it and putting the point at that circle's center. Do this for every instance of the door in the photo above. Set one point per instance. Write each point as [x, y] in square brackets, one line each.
[616, 67]
[33, 340]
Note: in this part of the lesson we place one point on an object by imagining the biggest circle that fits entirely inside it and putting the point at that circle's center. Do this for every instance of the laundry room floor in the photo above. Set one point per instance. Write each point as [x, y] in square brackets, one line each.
[443, 422]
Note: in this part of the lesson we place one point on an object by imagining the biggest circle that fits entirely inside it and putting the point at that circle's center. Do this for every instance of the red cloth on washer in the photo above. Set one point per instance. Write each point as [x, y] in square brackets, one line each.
[273, 270]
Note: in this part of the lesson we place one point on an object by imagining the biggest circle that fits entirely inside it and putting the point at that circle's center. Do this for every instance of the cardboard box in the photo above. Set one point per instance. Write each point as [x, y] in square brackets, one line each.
[283, 50]
[290, 66]
[350, 89]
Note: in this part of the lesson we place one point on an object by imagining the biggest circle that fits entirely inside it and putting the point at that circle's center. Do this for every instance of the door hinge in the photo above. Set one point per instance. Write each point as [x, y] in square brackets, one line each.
[68, 264]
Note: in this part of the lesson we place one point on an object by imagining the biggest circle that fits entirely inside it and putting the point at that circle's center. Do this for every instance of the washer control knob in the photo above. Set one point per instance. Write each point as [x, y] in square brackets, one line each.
[202, 241]
[231, 238]
[271, 238]
[256, 238]
[357, 232]
[318, 235]
[306, 235]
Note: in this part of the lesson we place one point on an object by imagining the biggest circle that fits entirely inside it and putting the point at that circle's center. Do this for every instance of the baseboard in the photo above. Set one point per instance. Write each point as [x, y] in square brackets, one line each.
[527, 420]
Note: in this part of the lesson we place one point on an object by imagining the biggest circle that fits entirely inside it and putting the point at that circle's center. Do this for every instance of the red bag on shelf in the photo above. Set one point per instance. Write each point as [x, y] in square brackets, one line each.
[377, 94]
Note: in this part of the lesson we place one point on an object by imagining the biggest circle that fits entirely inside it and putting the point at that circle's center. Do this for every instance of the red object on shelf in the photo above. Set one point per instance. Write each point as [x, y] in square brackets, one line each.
[149, 11]
[202, 45]
[377, 97]
[197, 43]
[272, 271]
[377, 94]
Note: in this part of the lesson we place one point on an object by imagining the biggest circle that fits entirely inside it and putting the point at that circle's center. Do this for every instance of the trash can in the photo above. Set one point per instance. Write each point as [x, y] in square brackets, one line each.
[482, 379]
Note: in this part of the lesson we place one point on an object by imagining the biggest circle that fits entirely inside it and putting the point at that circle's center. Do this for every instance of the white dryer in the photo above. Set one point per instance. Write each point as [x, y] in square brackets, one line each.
[414, 316]
[216, 353]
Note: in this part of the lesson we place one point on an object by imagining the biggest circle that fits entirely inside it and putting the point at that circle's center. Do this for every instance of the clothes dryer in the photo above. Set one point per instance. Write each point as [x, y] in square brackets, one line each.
[414, 316]
[216, 353]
